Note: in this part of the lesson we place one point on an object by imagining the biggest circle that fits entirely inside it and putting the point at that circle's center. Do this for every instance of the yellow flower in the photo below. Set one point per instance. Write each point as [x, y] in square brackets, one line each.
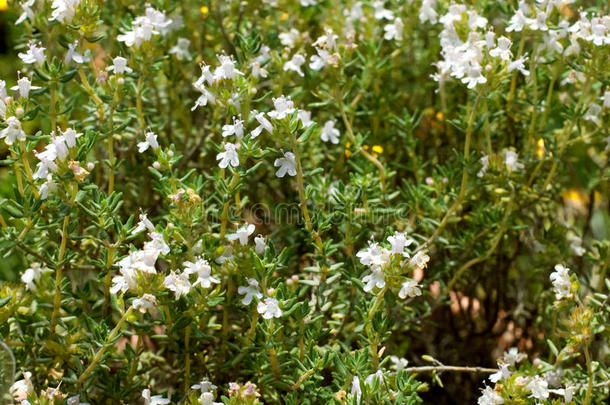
[3, 5]
[204, 10]
[540, 148]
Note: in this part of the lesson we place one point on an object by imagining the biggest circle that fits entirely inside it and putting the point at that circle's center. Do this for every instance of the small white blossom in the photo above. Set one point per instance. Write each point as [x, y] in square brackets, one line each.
[503, 373]
[32, 274]
[511, 160]
[419, 260]
[148, 303]
[28, 13]
[283, 107]
[24, 85]
[154, 400]
[593, 113]
[181, 49]
[561, 281]
[330, 133]
[269, 308]
[64, 10]
[178, 283]
[286, 164]
[237, 129]
[489, 397]
[260, 245]
[503, 49]
[34, 54]
[295, 64]
[119, 66]
[48, 187]
[398, 363]
[242, 234]
[538, 387]
[289, 38]
[394, 31]
[143, 225]
[203, 270]
[250, 291]
[23, 388]
[381, 12]
[519, 64]
[512, 356]
[263, 124]
[399, 241]
[72, 55]
[12, 132]
[150, 142]
[375, 279]
[410, 289]
[228, 157]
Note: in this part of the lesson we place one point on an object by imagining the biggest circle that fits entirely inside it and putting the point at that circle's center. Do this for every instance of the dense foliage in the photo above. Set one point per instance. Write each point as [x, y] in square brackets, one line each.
[305, 202]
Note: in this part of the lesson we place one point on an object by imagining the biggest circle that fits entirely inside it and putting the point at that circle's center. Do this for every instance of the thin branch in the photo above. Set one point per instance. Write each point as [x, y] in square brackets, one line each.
[457, 369]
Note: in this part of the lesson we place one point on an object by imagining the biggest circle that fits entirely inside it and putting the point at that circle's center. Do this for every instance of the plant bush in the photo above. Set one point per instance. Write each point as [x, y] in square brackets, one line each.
[305, 202]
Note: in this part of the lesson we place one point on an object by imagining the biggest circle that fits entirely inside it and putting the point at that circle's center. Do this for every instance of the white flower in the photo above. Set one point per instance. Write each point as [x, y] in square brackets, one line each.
[394, 31]
[503, 49]
[242, 234]
[519, 64]
[49, 186]
[517, 22]
[593, 114]
[376, 278]
[511, 160]
[12, 132]
[32, 274]
[72, 55]
[47, 161]
[307, 3]
[143, 224]
[269, 308]
[512, 356]
[489, 397]
[228, 157]
[538, 387]
[264, 124]
[154, 400]
[227, 69]
[503, 373]
[258, 71]
[119, 66]
[295, 64]
[381, 12]
[237, 129]
[356, 390]
[34, 54]
[150, 142]
[305, 116]
[204, 385]
[64, 10]
[24, 85]
[286, 164]
[398, 363]
[24, 387]
[561, 281]
[484, 165]
[377, 375]
[289, 38]
[330, 133]
[399, 241]
[181, 49]
[178, 283]
[260, 245]
[283, 107]
[419, 260]
[410, 289]
[606, 99]
[473, 76]
[156, 243]
[148, 302]
[250, 291]
[374, 256]
[207, 398]
[203, 270]
[538, 23]
[427, 11]
[320, 60]
[26, 6]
